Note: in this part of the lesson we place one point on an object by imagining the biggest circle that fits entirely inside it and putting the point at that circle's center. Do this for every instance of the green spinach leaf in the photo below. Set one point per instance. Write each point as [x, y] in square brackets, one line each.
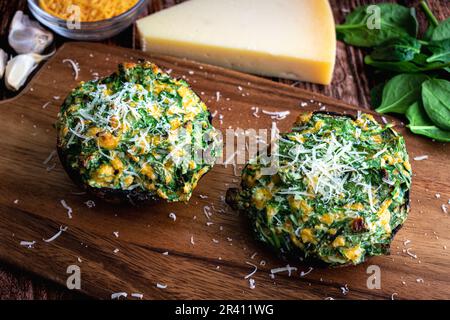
[436, 101]
[419, 123]
[429, 33]
[440, 50]
[400, 92]
[442, 31]
[397, 49]
[396, 21]
[418, 64]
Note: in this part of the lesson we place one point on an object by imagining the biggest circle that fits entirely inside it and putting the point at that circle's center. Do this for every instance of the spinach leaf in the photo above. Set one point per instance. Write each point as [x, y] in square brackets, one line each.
[418, 64]
[397, 49]
[442, 31]
[400, 92]
[440, 50]
[419, 123]
[396, 21]
[436, 101]
[429, 33]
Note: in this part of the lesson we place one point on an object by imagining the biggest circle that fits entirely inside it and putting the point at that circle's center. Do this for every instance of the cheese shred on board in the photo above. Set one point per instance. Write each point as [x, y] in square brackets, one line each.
[335, 196]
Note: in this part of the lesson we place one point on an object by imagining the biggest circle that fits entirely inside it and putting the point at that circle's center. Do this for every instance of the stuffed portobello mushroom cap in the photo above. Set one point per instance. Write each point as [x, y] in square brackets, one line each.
[338, 195]
[136, 135]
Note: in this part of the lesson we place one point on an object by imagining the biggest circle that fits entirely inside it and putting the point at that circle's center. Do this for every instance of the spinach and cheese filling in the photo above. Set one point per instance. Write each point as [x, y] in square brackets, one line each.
[339, 194]
[138, 131]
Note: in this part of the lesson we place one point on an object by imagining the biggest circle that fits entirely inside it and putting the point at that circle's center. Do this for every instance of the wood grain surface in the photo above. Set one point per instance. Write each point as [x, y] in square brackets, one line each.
[214, 264]
[351, 84]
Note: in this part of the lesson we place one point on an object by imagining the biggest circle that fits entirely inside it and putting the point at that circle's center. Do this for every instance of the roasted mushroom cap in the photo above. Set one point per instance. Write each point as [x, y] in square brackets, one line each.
[340, 194]
[136, 135]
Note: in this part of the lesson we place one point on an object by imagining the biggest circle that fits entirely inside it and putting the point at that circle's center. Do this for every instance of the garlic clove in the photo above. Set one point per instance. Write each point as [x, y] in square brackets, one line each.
[3, 59]
[20, 67]
[26, 36]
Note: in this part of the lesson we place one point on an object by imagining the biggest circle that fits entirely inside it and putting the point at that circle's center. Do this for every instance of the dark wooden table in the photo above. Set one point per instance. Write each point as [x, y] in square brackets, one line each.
[352, 82]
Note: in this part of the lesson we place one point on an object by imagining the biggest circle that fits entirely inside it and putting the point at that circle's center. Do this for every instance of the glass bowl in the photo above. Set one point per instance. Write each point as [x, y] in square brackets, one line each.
[87, 31]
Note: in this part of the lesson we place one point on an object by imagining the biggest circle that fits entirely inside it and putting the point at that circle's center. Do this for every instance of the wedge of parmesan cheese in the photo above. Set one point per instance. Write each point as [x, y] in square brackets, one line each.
[293, 39]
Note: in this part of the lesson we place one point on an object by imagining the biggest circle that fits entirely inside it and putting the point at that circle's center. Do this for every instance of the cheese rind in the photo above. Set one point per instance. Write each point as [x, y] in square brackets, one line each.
[292, 39]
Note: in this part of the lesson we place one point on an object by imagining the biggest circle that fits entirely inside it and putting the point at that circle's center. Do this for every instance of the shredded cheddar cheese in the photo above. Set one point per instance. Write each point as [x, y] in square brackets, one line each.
[90, 10]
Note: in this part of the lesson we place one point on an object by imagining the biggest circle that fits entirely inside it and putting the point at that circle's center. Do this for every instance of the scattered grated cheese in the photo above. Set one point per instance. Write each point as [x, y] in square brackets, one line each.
[345, 290]
[173, 216]
[207, 212]
[303, 274]
[75, 66]
[61, 230]
[116, 251]
[161, 286]
[256, 112]
[278, 115]
[69, 209]
[252, 283]
[166, 253]
[192, 240]
[393, 295]
[217, 96]
[90, 204]
[288, 268]
[421, 158]
[137, 295]
[45, 105]
[28, 244]
[118, 295]
[253, 272]
[409, 253]
[116, 234]
[215, 240]
[444, 208]
[50, 157]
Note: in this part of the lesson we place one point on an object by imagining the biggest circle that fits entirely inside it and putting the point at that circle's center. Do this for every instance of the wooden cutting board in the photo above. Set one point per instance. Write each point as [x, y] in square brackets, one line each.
[215, 264]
